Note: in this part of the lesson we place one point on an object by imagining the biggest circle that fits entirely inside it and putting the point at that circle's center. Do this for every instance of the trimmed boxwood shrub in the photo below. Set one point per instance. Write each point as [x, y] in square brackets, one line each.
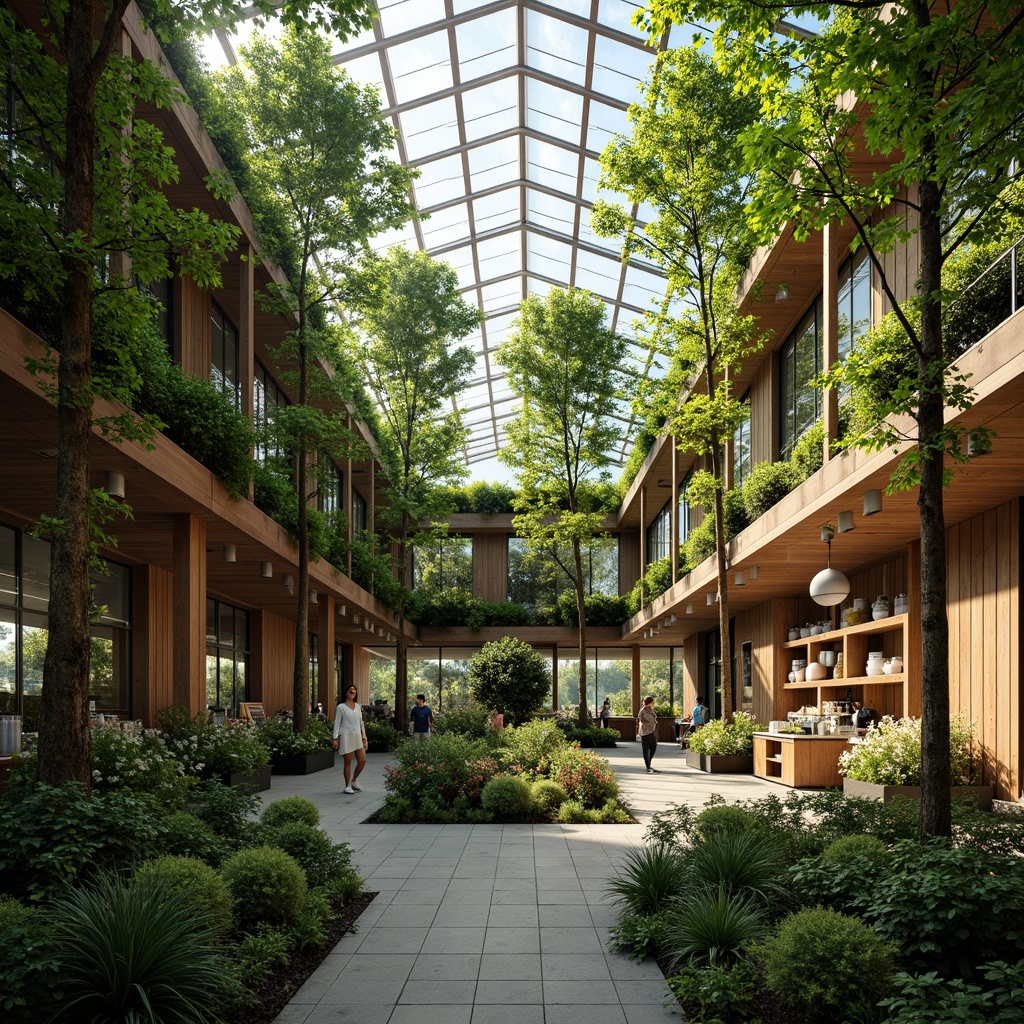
[855, 849]
[187, 836]
[289, 809]
[509, 675]
[201, 888]
[267, 885]
[507, 796]
[723, 819]
[312, 849]
[548, 796]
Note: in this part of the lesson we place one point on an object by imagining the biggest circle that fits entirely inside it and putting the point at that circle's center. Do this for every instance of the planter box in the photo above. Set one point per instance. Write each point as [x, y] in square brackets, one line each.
[261, 780]
[302, 764]
[721, 763]
[981, 795]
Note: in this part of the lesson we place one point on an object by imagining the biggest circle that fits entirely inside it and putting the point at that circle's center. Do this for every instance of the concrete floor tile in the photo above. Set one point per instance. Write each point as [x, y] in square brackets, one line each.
[432, 1014]
[342, 1012]
[496, 1014]
[455, 940]
[590, 1013]
[571, 940]
[506, 915]
[354, 989]
[394, 940]
[407, 915]
[574, 966]
[556, 916]
[556, 992]
[622, 968]
[646, 990]
[446, 967]
[510, 967]
[419, 992]
[515, 993]
[512, 940]
[473, 915]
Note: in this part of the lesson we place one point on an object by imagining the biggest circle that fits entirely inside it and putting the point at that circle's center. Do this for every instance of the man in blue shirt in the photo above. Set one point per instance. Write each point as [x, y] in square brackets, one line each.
[422, 719]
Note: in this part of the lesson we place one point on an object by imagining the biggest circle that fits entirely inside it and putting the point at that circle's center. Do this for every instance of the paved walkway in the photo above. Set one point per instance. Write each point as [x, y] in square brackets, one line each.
[492, 924]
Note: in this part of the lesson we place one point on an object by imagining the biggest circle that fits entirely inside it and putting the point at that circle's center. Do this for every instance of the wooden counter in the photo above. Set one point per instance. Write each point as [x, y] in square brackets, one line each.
[796, 759]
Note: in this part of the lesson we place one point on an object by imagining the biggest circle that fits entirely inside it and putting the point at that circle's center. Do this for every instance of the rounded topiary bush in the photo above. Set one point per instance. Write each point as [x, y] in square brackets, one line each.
[572, 812]
[203, 890]
[723, 819]
[267, 885]
[858, 847]
[13, 913]
[827, 963]
[507, 796]
[188, 836]
[312, 849]
[291, 808]
[548, 796]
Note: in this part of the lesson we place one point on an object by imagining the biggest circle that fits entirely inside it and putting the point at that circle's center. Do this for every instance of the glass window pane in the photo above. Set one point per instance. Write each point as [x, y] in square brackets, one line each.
[486, 45]
[110, 594]
[211, 679]
[8, 663]
[8, 576]
[35, 573]
[421, 67]
[34, 638]
[556, 47]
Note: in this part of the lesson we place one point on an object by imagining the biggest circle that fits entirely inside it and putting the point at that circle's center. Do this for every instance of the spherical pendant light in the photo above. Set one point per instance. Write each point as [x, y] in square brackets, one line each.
[830, 586]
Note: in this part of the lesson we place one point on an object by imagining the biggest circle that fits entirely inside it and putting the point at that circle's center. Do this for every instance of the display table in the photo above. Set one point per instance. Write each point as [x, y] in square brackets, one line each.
[796, 759]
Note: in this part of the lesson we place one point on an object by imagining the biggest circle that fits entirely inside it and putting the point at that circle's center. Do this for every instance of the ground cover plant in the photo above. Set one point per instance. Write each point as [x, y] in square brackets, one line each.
[177, 901]
[821, 908]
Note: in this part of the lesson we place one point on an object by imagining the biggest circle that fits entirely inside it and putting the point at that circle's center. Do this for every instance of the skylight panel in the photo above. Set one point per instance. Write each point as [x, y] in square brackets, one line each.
[552, 165]
[605, 284]
[618, 14]
[553, 111]
[499, 256]
[619, 68]
[642, 289]
[446, 226]
[367, 71]
[494, 164]
[496, 210]
[556, 47]
[604, 122]
[421, 67]
[546, 211]
[486, 45]
[549, 258]
[430, 128]
[613, 246]
[463, 6]
[504, 294]
[402, 15]
[440, 181]
[489, 110]
[405, 235]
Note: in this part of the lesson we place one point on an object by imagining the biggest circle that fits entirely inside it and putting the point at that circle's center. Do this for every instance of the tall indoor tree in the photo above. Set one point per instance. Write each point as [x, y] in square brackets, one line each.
[566, 367]
[320, 155]
[683, 160]
[408, 314]
[904, 120]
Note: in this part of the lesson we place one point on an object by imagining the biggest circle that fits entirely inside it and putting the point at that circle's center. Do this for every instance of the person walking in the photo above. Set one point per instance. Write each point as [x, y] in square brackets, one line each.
[605, 713]
[350, 737]
[647, 730]
[422, 718]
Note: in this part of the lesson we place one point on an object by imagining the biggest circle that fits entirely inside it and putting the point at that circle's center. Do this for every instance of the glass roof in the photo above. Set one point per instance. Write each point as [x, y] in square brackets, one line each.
[504, 107]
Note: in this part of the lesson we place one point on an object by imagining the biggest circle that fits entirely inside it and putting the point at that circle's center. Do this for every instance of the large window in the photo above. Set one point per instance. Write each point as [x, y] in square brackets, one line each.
[162, 292]
[227, 656]
[24, 632]
[328, 486]
[267, 398]
[443, 563]
[360, 512]
[224, 371]
[799, 364]
[659, 535]
[741, 451]
[535, 578]
[854, 299]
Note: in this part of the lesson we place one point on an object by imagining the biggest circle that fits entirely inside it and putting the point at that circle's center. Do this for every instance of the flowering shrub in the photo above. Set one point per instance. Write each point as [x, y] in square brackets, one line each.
[528, 749]
[281, 738]
[584, 776]
[716, 739]
[206, 750]
[890, 753]
[441, 771]
[135, 758]
[471, 720]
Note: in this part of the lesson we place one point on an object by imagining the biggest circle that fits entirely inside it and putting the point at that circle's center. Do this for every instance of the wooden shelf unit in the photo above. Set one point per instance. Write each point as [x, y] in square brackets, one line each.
[799, 761]
[888, 695]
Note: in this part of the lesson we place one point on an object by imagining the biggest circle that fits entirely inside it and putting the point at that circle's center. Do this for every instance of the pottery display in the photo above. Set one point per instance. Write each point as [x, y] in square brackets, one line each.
[860, 604]
[894, 666]
[901, 605]
[794, 633]
[815, 671]
[840, 669]
[876, 664]
[880, 609]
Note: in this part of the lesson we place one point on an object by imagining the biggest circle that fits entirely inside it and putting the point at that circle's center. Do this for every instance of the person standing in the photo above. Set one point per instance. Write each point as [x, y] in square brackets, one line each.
[647, 730]
[422, 718]
[350, 737]
[605, 713]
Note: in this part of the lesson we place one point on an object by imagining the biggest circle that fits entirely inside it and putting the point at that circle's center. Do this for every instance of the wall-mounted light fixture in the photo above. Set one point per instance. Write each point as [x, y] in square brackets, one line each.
[711, 599]
[267, 570]
[230, 553]
[845, 522]
[752, 572]
[689, 608]
[289, 582]
[671, 620]
[782, 292]
[342, 609]
[740, 580]
[355, 620]
[113, 484]
[829, 587]
[314, 597]
[872, 502]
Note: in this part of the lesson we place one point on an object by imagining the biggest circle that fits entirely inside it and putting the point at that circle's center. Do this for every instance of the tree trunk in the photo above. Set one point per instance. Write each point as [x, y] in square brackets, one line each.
[581, 610]
[935, 777]
[725, 641]
[300, 675]
[64, 705]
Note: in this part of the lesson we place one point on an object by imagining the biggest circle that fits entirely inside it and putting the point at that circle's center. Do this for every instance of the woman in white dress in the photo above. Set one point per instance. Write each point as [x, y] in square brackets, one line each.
[350, 737]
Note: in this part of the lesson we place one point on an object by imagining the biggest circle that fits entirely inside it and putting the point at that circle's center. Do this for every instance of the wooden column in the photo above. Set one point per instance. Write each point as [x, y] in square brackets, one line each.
[152, 650]
[189, 614]
[554, 677]
[674, 512]
[246, 329]
[830, 330]
[643, 540]
[326, 685]
[636, 680]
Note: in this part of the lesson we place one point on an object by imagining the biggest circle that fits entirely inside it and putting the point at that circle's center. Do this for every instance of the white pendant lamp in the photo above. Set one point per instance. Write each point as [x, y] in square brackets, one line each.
[830, 587]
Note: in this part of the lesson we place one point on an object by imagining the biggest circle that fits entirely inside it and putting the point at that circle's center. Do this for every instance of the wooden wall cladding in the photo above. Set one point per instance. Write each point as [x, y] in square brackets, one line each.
[152, 642]
[272, 641]
[629, 560]
[490, 566]
[983, 601]
[763, 413]
[759, 627]
[194, 318]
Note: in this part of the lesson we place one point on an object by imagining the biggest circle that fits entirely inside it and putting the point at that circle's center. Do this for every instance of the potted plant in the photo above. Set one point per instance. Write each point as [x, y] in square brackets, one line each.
[717, 747]
[232, 753]
[298, 753]
[887, 762]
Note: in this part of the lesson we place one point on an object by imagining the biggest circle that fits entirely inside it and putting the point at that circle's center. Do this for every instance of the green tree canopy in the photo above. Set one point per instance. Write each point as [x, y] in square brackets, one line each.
[509, 676]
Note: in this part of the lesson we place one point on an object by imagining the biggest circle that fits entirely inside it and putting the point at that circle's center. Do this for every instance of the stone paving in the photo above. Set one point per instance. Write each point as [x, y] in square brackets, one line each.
[492, 924]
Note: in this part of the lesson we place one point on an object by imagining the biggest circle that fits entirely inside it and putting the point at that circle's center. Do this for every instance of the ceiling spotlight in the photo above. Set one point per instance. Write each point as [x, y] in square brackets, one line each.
[342, 609]
[113, 484]
[671, 619]
[711, 599]
[829, 587]
[355, 620]
[782, 292]
[314, 598]
[752, 572]
[289, 582]
[230, 554]
[689, 608]
[872, 502]
[740, 580]
[267, 570]
[845, 522]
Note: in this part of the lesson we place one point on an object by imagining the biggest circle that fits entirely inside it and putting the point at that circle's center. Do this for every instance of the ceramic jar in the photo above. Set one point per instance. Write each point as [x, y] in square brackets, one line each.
[860, 604]
[840, 668]
[875, 665]
[901, 605]
[794, 633]
[894, 666]
[880, 609]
